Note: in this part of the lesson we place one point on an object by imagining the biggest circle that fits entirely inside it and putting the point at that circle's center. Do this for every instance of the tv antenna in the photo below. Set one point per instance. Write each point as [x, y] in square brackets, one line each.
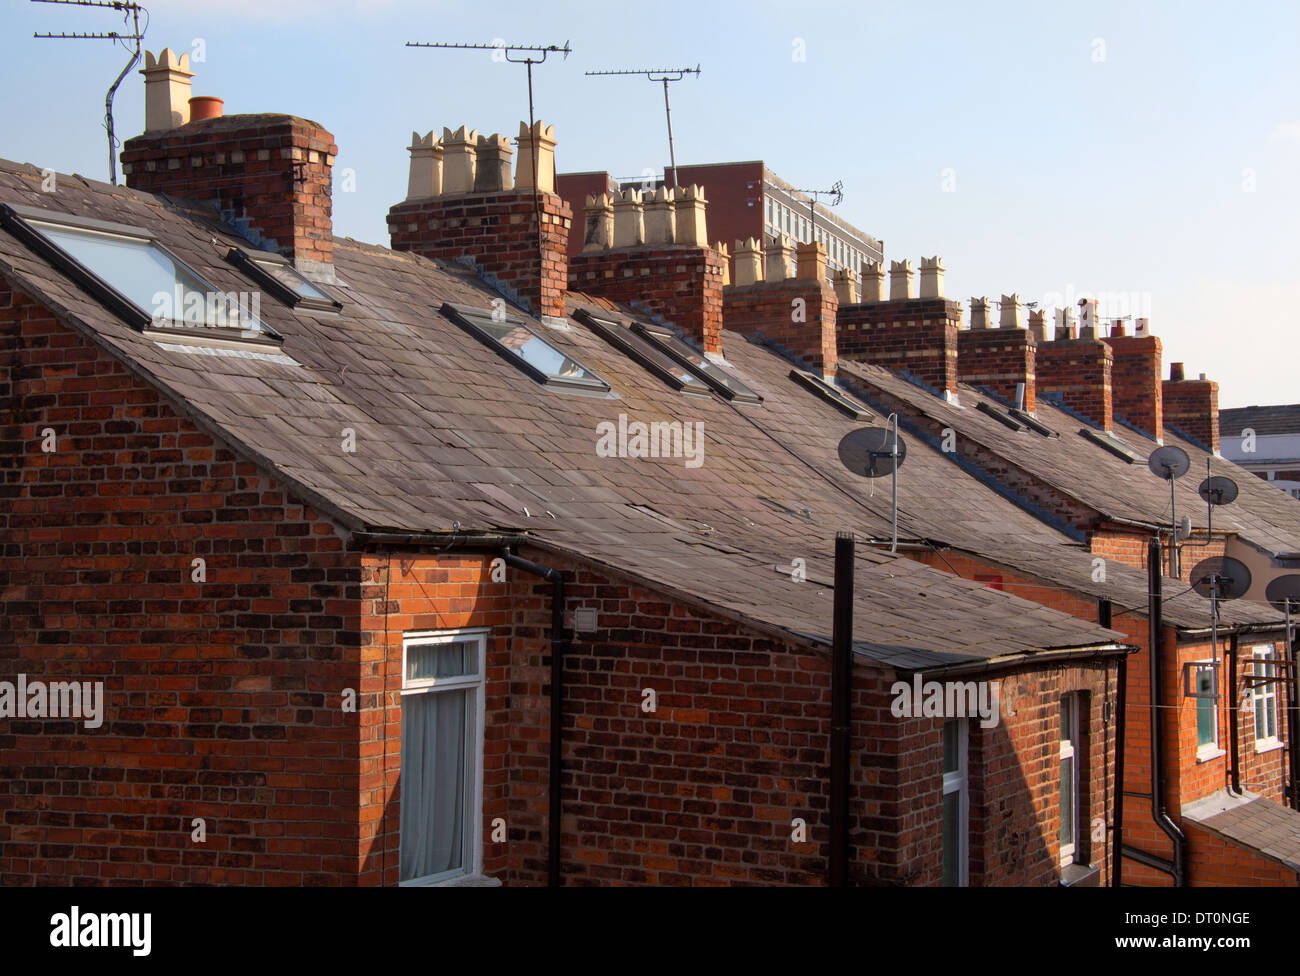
[530, 57]
[836, 193]
[130, 12]
[665, 75]
[873, 452]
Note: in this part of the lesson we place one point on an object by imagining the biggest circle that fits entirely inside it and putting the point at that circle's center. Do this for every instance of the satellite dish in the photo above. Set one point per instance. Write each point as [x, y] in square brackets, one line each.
[1231, 576]
[1218, 490]
[869, 451]
[1169, 462]
[1284, 588]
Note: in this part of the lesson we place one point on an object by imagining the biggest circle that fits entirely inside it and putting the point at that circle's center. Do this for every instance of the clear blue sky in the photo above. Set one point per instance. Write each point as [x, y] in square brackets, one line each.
[1147, 153]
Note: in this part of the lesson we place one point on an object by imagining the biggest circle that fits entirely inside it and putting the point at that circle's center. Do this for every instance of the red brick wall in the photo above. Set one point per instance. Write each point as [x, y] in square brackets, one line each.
[999, 359]
[769, 309]
[1186, 780]
[222, 699]
[499, 230]
[916, 335]
[272, 169]
[1080, 370]
[1215, 862]
[681, 283]
[1192, 406]
[1135, 380]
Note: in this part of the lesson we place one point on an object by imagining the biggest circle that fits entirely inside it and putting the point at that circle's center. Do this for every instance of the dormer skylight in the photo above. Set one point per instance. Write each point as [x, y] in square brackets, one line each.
[639, 350]
[136, 277]
[831, 394]
[283, 280]
[722, 382]
[1109, 442]
[512, 339]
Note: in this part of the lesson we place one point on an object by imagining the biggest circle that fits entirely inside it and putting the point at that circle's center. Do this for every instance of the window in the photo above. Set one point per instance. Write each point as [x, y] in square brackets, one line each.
[1207, 716]
[1264, 697]
[513, 340]
[651, 357]
[956, 802]
[134, 276]
[282, 280]
[719, 379]
[830, 394]
[442, 756]
[1109, 442]
[1069, 791]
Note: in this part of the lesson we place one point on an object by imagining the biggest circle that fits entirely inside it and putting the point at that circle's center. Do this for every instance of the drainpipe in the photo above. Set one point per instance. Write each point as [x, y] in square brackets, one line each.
[1234, 757]
[559, 647]
[1291, 679]
[1104, 617]
[841, 705]
[1159, 814]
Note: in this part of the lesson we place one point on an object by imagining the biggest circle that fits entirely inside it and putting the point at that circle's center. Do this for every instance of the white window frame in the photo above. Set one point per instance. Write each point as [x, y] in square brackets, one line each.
[1069, 750]
[1266, 695]
[472, 834]
[958, 781]
[1208, 750]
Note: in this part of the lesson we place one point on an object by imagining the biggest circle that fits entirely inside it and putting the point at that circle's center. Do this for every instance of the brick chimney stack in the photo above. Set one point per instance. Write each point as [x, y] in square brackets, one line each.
[653, 249]
[1077, 367]
[461, 203]
[795, 312]
[1135, 379]
[1001, 359]
[269, 174]
[1191, 407]
[910, 335]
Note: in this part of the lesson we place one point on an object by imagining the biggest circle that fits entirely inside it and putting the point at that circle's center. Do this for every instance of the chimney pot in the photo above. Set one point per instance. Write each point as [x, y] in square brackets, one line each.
[691, 227]
[1176, 372]
[749, 262]
[901, 280]
[492, 164]
[425, 178]
[873, 281]
[660, 217]
[846, 286]
[629, 219]
[460, 157]
[1013, 315]
[205, 107]
[979, 314]
[780, 259]
[932, 277]
[166, 90]
[811, 261]
[544, 138]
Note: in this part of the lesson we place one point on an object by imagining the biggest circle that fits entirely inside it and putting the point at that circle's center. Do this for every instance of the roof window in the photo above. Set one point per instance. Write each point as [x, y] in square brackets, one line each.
[283, 280]
[722, 382]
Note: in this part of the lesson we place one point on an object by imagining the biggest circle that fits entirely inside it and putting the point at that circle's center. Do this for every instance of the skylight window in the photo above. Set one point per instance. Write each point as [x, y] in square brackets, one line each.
[1032, 422]
[283, 280]
[726, 385]
[651, 357]
[830, 394]
[1111, 443]
[134, 276]
[513, 340]
[1000, 416]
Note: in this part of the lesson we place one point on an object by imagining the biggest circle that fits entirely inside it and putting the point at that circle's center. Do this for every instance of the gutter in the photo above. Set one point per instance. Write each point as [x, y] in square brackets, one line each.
[1234, 755]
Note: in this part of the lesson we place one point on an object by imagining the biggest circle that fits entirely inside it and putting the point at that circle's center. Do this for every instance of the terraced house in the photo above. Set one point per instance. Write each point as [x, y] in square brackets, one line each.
[470, 562]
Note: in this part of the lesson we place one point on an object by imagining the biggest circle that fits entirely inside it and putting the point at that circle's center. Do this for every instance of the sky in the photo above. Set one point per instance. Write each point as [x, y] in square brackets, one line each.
[1143, 153]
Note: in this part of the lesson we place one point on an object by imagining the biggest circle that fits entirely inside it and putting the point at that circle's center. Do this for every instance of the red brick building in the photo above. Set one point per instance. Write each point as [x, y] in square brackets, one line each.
[465, 563]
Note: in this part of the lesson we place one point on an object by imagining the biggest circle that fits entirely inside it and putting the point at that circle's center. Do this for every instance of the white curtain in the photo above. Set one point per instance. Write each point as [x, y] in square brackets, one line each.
[433, 783]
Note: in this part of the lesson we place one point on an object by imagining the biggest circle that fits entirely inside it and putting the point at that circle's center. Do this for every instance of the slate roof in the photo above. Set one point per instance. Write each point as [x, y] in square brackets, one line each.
[1260, 824]
[1112, 487]
[448, 432]
[1284, 419]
